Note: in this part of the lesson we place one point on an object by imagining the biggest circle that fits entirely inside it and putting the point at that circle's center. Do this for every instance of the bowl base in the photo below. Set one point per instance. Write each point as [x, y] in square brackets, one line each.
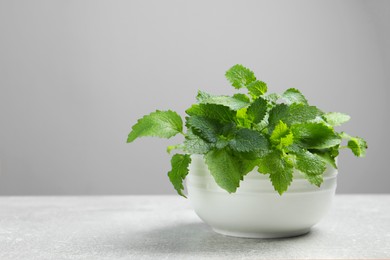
[262, 234]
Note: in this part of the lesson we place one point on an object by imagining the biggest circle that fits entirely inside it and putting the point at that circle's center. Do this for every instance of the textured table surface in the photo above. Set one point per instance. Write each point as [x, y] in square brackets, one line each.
[165, 227]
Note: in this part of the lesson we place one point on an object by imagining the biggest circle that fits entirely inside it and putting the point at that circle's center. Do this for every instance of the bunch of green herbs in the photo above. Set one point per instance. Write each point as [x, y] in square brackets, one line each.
[272, 133]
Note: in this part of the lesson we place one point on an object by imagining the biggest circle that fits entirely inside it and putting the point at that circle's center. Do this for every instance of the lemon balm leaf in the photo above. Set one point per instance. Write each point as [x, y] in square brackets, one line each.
[179, 171]
[281, 136]
[204, 127]
[358, 146]
[279, 168]
[336, 119]
[311, 165]
[235, 102]
[257, 110]
[257, 88]
[225, 168]
[163, 124]
[239, 76]
[293, 95]
[315, 136]
[212, 111]
[247, 140]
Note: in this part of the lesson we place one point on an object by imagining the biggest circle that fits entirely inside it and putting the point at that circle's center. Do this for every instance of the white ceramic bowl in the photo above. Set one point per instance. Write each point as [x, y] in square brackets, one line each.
[256, 210]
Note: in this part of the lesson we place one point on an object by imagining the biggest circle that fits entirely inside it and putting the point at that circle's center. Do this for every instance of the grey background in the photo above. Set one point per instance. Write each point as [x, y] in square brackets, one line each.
[75, 75]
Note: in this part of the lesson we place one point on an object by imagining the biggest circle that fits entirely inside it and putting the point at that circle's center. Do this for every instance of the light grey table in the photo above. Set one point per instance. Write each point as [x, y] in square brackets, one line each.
[165, 227]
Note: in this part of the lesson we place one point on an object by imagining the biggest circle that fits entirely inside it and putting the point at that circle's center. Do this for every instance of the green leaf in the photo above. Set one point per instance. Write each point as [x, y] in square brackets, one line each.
[328, 155]
[257, 88]
[193, 144]
[277, 113]
[272, 97]
[204, 127]
[311, 165]
[313, 178]
[247, 140]
[242, 118]
[335, 118]
[292, 114]
[180, 163]
[235, 103]
[358, 146]
[228, 130]
[242, 97]
[239, 76]
[248, 165]
[281, 136]
[299, 113]
[257, 110]
[221, 143]
[293, 95]
[212, 111]
[164, 124]
[225, 168]
[315, 136]
[280, 170]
